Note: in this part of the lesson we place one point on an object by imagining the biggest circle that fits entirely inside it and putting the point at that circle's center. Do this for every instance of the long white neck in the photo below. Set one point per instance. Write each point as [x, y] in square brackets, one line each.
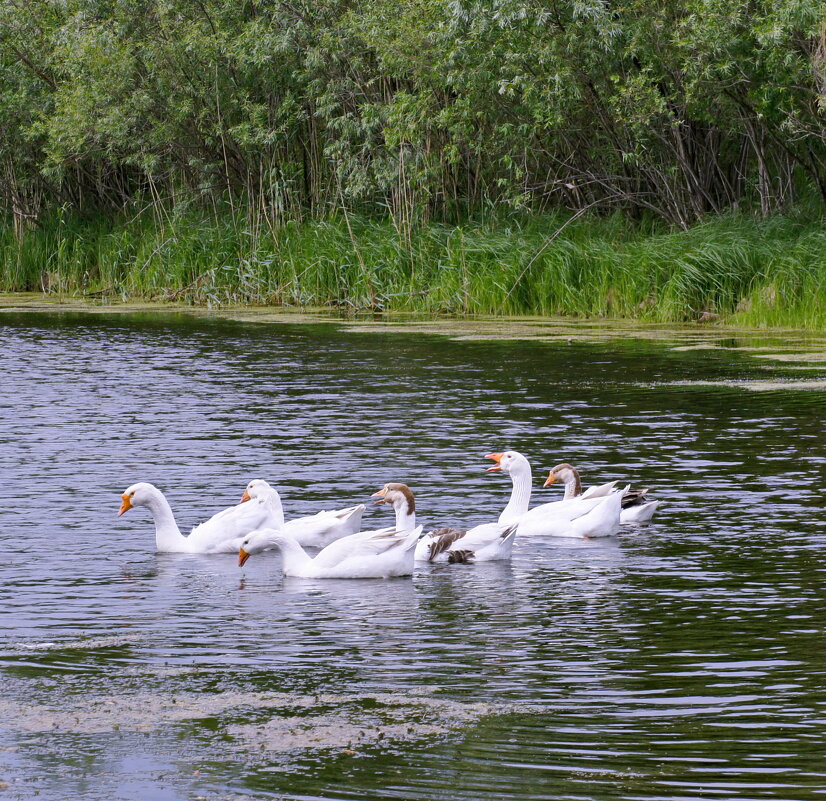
[405, 519]
[168, 536]
[263, 493]
[274, 502]
[520, 472]
[294, 559]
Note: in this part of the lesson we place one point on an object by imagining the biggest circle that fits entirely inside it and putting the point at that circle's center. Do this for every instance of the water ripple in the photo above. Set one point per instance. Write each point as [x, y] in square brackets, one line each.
[680, 660]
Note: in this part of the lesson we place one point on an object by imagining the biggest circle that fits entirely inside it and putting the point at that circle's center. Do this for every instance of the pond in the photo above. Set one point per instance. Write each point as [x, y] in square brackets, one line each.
[678, 660]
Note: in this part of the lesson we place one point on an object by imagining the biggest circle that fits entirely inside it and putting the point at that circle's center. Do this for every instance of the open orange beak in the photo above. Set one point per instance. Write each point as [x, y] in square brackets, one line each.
[242, 557]
[380, 495]
[497, 457]
[126, 505]
[550, 479]
[245, 497]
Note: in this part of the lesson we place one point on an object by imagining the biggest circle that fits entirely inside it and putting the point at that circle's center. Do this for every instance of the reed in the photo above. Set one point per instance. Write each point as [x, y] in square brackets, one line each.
[758, 272]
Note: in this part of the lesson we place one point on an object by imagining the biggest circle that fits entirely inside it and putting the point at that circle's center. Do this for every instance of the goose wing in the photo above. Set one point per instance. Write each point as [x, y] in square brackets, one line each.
[363, 543]
[318, 529]
[232, 524]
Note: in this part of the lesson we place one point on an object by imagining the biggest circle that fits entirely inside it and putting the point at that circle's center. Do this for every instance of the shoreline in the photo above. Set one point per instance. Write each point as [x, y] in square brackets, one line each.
[731, 271]
[477, 327]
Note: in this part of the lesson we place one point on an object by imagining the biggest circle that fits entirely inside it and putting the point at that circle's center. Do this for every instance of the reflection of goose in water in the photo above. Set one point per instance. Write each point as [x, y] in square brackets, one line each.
[369, 554]
[634, 507]
[493, 586]
[312, 531]
[350, 634]
[222, 533]
[578, 517]
[485, 543]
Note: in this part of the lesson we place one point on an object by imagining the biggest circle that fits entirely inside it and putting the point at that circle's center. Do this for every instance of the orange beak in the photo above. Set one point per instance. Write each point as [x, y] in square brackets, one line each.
[245, 497]
[497, 457]
[242, 557]
[126, 505]
[550, 479]
[380, 494]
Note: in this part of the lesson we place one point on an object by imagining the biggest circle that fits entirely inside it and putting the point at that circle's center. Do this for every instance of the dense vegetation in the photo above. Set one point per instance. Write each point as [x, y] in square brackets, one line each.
[158, 146]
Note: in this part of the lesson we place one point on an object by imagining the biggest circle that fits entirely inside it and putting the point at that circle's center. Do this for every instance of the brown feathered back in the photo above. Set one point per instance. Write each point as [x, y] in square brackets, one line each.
[444, 538]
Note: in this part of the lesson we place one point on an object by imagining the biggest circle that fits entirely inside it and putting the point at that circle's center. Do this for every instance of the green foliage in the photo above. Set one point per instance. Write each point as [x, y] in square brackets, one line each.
[423, 108]
[759, 272]
[217, 145]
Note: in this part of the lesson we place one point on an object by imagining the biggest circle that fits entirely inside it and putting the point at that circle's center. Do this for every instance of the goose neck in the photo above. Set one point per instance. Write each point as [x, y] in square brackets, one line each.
[573, 486]
[168, 536]
[405, 519]
[520, 494]
[294, 559]
[274, 502]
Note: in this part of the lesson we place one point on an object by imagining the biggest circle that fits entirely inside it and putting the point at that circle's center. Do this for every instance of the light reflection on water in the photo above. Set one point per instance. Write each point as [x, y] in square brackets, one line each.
[684, 659]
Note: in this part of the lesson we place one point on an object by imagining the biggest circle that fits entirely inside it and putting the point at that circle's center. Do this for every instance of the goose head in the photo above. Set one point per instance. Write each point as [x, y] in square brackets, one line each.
[507, 461]
[139, 494]
[257, 488]
[396, 495]
[565, 473]
[243, 553]
[255, 542]
[250, 545]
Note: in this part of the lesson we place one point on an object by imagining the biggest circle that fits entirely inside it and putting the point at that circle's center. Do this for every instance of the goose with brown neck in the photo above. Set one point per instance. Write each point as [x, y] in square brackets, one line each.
[400, 497]
[312, 531]
[634, 506]
[569, 476]
[485, 543]
[576, 517]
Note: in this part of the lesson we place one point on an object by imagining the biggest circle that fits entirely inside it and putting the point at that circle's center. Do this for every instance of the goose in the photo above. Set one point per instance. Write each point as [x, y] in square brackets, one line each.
[569, 476]
[312, 531]
[576, 517]
[368, 554]
[634, 507]
[222, 533]
[638, 513]
[488, 542]
[400, 497]
[484, 543]
[601, 490]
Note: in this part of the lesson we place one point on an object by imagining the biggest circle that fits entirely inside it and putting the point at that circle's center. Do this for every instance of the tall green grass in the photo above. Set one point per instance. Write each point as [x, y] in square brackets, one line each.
[752, 271]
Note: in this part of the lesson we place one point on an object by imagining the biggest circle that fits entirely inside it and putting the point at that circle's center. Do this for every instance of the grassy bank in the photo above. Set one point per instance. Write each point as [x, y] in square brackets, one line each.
[757, 272]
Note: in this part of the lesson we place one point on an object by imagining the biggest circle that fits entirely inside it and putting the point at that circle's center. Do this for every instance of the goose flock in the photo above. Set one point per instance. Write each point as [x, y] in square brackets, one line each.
[345, 551]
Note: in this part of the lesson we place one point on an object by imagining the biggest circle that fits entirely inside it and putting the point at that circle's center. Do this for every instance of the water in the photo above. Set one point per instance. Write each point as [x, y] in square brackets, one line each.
[680, 660]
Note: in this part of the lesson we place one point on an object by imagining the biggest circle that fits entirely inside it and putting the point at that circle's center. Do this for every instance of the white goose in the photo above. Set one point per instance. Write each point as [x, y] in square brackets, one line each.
[577, 517]
[313, 531]
[222, 533]
[485, 543]
[369, 554]
[634, 507]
